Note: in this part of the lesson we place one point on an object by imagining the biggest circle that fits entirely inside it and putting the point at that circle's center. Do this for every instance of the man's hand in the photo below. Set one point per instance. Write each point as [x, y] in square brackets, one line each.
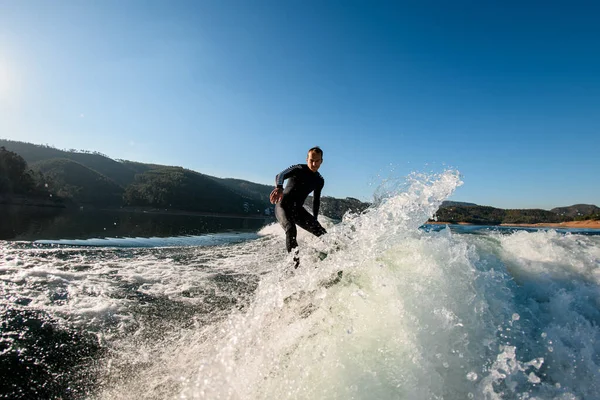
[276, 195]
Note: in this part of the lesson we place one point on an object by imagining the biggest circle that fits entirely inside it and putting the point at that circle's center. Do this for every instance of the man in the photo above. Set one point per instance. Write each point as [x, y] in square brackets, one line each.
[289, 203]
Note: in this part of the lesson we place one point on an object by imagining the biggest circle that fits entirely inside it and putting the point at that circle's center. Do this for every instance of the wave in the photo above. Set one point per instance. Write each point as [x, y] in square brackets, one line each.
[392, 312]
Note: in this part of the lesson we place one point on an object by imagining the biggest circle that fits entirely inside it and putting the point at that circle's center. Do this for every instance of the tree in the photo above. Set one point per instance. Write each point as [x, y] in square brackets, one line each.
[14, 177]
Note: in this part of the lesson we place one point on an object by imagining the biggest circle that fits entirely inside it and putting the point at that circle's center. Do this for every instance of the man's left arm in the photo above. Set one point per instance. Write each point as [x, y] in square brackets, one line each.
[317, 199]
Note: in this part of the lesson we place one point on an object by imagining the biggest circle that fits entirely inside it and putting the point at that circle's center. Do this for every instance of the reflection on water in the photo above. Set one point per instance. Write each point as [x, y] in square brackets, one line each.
[35, 223]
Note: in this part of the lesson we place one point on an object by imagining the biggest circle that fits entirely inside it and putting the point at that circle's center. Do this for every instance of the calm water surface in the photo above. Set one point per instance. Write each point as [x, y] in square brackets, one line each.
[36, 223]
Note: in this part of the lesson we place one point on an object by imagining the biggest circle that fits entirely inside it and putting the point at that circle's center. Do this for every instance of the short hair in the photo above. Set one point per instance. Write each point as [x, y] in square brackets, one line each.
[317, 150]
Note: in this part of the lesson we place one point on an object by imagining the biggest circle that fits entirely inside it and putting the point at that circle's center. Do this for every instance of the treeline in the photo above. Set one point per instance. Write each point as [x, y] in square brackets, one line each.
[579, 212]
[77, 183]
[91, 178]
[143, 185]
[594, 217]
[178, 188]
[336, 208]
[17, 179]
[483, 215]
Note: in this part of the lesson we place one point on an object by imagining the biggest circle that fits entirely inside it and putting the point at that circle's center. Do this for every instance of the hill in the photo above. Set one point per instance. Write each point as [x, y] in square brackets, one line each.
[254, 191]
[121, 173]
[182, 189]
[336, 208]
[577, 211]
[450, 203]
[71, 180]
[20, 186]
[138, 167]
[483, 215]
[93, 178]
[153, 185]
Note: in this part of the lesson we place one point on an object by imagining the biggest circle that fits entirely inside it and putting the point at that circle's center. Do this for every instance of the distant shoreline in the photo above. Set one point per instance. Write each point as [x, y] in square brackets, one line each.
[31, 204]
[588, 224]
[30, 201]
[155, 211]
[37, 203]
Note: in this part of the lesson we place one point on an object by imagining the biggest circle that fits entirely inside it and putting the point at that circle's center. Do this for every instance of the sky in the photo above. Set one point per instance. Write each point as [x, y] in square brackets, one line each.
[506, 92]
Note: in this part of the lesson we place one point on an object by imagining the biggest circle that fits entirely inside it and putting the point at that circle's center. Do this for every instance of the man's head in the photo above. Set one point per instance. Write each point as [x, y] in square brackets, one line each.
[314, 158]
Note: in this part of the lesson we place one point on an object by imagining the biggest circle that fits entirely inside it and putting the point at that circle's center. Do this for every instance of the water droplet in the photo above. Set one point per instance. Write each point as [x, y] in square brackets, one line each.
[472, 376]
[533, 378]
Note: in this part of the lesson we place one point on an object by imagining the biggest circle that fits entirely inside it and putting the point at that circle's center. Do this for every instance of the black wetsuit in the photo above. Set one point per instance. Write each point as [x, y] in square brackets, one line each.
[290, 210]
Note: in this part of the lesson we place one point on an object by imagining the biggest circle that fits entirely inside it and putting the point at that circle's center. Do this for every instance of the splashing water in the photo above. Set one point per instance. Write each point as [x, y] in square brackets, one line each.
[415, 314]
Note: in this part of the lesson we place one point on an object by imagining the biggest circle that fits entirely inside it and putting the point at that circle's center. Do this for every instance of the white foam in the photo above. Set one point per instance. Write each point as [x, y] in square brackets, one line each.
[417, 314]
[299, 340]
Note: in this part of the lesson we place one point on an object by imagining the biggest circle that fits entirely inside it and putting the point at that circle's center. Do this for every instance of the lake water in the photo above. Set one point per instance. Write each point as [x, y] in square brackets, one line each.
[417, 312]
[47, 224]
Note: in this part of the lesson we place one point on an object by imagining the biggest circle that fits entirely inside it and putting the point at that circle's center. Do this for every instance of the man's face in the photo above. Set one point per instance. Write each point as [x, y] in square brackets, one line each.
[314, 161]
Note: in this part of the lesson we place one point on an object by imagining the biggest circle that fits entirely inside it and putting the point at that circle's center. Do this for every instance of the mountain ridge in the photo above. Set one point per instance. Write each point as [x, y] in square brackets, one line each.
[75, 173]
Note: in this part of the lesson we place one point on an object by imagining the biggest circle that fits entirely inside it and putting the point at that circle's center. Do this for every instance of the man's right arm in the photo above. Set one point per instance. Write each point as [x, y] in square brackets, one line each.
[286, 173]
[277, 193]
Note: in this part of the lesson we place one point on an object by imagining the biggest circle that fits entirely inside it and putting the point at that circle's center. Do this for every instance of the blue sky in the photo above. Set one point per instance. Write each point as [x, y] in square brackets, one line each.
[507, 92]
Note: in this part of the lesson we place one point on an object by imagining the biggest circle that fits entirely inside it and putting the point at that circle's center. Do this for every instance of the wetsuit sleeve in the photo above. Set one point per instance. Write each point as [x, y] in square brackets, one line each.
[286, 173]
[317, 199]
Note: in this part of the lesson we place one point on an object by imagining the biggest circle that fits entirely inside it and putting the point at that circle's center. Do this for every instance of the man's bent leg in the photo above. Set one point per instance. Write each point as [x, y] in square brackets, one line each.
[308, 222]
[286, 219]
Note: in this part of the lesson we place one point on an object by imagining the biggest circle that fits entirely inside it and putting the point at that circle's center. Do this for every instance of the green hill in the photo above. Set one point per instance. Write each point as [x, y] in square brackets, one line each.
[178, 188]
[138, 167]
[120, 173]
[255, 191]
[71, 180]
[450, 203]
[123, 172]
[336, 208]
[21, 186]
[484, 215]
[577, 211]
[14, 177]
[92, 178]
